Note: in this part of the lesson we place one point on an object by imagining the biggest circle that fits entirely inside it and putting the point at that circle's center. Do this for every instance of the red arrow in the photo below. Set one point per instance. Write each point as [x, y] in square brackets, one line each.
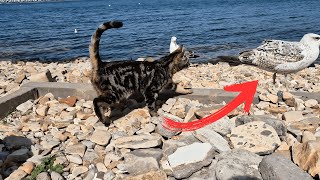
[247, 91]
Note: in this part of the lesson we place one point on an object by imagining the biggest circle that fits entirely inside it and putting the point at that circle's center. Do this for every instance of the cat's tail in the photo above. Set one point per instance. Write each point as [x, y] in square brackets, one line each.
[95, 40]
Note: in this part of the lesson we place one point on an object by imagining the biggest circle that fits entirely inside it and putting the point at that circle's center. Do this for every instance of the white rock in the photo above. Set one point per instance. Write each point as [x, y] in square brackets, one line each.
[189, 154]
[311, 103]
[24, 107]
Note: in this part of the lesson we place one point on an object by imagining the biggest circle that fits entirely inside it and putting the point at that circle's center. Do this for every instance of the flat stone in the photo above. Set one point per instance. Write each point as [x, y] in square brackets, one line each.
[79, 170]
[70, 101]
[164, 131]
[138, 164]
[20, 78]
[293, 116]
[206, 172]
[278, 167]
[151, 152]
[273, 98]
[152, 175]
[307, 156]
[308, 136]
[100, 137]
[168, 105]
[17, 174]
[189, 159]
[311, 103]
[138, 141]
[237, 163]
[257, 137]
[42, 110]
[101, 167]
[41, 77]
[307, 124]
[73, 129]
[286, 95]
[90, 156]
[278, 125]
[207, 135]
[74, 159]
[24, 107]
[16, 142]
[184, 139]
[27, 167]
[91, 121]
[78, 149]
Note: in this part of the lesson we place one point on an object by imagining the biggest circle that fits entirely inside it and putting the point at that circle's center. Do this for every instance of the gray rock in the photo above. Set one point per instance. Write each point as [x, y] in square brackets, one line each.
[189, 159]
[206, 172]
[4, 155]
[76, 149]
[20, 155]
[90, 156]
[56, 176]
[43, 176]
[138, 141]
[278, 167]
[207, 135]
[135, 164]
[237, 164]
[163, 131]
[223, 126]
[278, 125]
[91, 173]
[151, 152]
[171, 145]
[108, 175]
[16, 142]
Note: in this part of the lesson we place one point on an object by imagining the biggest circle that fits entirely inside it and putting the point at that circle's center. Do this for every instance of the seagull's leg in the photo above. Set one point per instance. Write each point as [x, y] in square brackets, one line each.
[274, 78]
[286, 82]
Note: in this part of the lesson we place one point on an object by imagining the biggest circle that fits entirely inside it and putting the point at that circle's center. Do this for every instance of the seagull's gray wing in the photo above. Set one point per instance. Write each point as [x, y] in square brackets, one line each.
[272, 53]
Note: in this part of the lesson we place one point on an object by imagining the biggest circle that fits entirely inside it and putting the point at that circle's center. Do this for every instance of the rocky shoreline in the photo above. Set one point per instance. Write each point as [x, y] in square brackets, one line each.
[279, 139]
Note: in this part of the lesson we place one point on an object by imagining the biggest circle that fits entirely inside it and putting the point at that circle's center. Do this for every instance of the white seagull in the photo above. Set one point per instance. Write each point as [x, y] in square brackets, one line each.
[284, 57]
[173, 44]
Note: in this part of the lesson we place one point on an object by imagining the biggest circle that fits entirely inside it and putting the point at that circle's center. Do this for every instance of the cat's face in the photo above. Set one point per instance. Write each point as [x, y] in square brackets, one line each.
[181, 59]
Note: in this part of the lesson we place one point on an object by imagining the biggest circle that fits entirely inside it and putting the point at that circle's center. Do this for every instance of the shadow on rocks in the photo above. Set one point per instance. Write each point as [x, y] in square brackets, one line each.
[14, 151]
[136, 101]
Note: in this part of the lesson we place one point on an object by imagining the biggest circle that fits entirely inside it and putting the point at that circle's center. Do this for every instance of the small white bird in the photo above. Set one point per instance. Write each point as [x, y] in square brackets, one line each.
[75, 31]
[284, 57]
[173, 44]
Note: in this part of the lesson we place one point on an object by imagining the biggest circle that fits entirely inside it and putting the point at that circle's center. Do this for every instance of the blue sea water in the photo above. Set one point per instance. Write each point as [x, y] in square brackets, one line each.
[45, 31]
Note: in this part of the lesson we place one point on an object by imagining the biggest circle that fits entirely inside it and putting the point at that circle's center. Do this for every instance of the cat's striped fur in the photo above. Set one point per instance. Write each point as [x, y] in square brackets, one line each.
[115, 81]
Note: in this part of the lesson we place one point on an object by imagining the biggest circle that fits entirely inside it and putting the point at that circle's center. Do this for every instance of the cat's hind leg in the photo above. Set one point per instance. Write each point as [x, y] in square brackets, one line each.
[100, 106]
[151, 98]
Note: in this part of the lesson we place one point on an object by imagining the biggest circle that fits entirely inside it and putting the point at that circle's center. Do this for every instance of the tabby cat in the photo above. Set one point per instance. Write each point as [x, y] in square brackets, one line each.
[116, 81]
